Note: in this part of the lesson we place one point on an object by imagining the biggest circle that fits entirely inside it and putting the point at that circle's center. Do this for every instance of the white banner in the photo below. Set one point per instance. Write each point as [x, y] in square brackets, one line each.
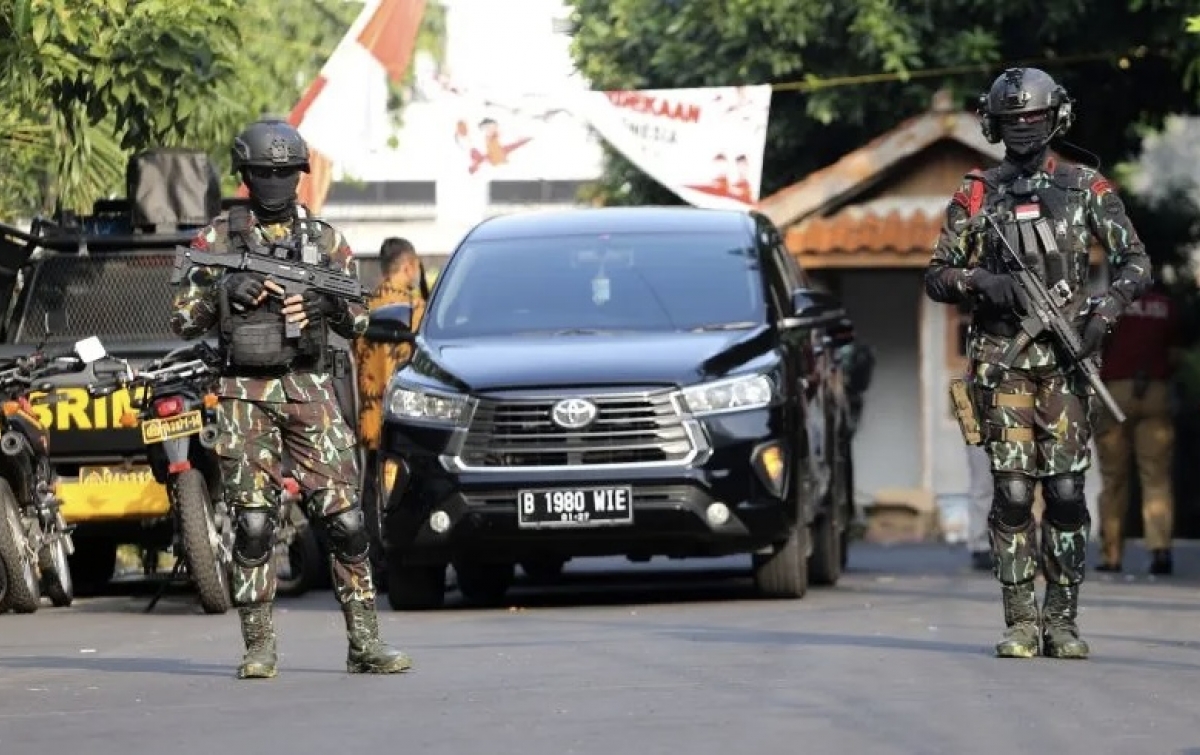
[705, 145]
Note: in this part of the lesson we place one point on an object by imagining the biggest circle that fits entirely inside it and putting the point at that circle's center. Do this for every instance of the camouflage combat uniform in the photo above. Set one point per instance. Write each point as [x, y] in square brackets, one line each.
[1035, 414]
[298, 411]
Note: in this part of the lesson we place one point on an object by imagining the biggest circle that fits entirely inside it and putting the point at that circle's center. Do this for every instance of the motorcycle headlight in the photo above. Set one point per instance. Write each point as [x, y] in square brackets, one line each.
[407, 403]
[734, 394]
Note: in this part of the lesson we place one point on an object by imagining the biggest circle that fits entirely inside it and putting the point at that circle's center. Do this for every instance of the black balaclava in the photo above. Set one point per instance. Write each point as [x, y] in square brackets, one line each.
[272, 195]
[1025, 142]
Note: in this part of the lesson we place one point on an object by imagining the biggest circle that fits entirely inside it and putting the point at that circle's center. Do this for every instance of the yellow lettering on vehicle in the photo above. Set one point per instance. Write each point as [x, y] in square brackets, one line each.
[76, 409]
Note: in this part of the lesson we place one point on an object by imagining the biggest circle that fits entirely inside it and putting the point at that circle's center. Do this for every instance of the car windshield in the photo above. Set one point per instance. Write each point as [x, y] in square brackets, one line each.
[585, 284]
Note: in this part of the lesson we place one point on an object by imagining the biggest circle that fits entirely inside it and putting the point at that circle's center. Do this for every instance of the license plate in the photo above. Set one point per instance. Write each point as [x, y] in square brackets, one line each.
[575, 507]
[158, 430]
[107, 493]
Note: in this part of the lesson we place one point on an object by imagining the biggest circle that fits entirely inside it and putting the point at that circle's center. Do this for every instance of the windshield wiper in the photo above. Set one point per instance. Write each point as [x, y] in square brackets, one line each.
[723, 326]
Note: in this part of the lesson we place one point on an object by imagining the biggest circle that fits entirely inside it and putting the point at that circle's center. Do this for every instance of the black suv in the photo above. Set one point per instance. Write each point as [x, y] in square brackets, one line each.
[621, 381]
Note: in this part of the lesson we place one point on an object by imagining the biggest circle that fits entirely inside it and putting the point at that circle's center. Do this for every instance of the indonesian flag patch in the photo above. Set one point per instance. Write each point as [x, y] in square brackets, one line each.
[1027, 212]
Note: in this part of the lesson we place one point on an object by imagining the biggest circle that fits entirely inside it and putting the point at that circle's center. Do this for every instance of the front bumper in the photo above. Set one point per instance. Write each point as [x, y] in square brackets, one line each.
[435, 512]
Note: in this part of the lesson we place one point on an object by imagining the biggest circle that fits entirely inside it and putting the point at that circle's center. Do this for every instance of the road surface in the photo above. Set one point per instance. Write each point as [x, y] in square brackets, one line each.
[666, 657]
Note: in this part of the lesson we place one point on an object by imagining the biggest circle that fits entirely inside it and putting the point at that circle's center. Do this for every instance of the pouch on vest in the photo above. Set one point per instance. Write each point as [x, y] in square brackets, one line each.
[254, 338]
[965, 412]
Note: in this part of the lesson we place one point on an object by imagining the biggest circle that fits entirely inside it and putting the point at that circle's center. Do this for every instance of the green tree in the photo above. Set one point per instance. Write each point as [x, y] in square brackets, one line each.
[86, 82]
[1122, 60]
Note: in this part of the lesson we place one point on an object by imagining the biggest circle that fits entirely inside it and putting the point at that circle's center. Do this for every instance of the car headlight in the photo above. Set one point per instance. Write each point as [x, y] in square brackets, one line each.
[735, 394]
[406, 403]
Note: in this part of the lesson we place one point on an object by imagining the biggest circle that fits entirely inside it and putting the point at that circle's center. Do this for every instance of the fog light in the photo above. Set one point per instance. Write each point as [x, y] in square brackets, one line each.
[390, 470]
[771, 460]
[717, 514]
[439, 521]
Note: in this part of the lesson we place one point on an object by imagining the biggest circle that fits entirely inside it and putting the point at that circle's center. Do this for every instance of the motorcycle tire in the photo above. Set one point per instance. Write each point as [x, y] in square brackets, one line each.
[304, 556]
[56, 573]
[24, 592]
[201, 541]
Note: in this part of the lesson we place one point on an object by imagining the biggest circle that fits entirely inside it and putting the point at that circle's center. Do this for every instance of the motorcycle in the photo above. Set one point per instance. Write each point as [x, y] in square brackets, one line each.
[177, 416]
[35, 539]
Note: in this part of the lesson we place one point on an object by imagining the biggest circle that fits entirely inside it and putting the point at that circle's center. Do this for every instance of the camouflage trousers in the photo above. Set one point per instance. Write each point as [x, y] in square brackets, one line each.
[1037, 430]
[321, 449]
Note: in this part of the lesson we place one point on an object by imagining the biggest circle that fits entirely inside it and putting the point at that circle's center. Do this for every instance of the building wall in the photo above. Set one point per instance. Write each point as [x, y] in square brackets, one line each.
[888, 448]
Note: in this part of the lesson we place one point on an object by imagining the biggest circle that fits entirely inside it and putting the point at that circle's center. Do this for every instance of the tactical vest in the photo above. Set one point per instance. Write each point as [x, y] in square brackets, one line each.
[1044, 221]
[255, 342]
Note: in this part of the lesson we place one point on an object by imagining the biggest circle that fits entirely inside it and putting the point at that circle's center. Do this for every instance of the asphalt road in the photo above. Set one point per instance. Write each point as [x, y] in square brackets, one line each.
[623, 659]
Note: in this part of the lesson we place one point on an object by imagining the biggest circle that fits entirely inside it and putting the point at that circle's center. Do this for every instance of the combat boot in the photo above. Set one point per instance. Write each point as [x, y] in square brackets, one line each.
[258, 633]
[1060, 634]
[1021, 619]
[368, 654]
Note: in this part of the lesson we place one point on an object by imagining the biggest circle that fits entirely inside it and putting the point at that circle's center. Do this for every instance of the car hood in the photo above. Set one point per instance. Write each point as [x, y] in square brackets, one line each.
[645, 359]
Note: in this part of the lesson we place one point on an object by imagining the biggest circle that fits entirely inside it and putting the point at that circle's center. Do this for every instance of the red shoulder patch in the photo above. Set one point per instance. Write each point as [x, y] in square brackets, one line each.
[1101, 186]
[960, 199]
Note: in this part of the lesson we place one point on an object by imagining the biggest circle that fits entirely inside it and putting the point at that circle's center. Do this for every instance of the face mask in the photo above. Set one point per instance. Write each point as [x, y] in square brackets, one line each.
[273, 193]
[1025, 138]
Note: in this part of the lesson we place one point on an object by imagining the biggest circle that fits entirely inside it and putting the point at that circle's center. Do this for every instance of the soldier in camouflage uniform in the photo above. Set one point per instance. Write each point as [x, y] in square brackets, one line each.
[1034, 414]
[277, 393]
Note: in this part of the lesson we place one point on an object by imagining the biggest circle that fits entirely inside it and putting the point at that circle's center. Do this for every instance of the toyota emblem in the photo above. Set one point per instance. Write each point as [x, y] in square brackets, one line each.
[573, 413]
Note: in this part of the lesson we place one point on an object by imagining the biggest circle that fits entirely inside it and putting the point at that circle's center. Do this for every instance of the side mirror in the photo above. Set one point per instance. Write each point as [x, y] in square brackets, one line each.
[390, 324]
[90, 350]
[814, 309]
[56, 322]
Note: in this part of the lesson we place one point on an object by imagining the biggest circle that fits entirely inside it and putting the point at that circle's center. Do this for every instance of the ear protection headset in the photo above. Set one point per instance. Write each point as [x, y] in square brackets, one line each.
[1060, 102]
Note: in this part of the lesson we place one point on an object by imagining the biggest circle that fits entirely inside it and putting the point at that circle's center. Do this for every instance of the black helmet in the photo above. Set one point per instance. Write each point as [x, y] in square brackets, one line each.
[270, 143]
[1024, 90]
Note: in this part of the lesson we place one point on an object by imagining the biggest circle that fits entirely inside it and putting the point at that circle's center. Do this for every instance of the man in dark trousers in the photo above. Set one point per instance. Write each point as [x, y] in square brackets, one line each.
[1138, 361]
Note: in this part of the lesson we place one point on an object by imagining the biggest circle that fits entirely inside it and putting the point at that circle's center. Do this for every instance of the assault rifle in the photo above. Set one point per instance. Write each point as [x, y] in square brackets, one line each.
[1044, 313]
[293, 277]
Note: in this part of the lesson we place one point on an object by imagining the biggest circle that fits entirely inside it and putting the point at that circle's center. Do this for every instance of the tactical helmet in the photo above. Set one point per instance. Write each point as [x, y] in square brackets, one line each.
[1024, 90]
[270, 143]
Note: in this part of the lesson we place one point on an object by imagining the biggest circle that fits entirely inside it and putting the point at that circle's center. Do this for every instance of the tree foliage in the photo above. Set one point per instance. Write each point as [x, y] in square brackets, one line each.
[1124, 61]
[86, 82]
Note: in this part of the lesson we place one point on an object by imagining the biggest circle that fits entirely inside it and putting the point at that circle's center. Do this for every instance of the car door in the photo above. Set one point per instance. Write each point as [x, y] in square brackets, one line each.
[802, 349]
[818, 365]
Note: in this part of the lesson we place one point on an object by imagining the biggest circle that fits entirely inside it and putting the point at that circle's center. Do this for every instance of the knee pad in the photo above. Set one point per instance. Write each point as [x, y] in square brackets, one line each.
[1012, 500]
[253, 535]
[1066, 506]
[348, 535]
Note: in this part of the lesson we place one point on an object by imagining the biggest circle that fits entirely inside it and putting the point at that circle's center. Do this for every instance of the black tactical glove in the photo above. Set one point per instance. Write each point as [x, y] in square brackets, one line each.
[243, 289]
[1092, 337]
[1001, 291]
[322, 305]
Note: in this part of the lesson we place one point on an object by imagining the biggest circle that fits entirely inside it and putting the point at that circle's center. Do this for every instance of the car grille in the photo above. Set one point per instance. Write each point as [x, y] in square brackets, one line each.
[628, 429]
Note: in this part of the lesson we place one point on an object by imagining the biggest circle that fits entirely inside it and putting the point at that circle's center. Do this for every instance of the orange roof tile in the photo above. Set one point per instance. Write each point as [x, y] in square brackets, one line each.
[892, 232]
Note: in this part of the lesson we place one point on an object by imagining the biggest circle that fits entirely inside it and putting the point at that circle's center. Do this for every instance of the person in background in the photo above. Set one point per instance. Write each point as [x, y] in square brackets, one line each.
[403, 282]
[1138, 361]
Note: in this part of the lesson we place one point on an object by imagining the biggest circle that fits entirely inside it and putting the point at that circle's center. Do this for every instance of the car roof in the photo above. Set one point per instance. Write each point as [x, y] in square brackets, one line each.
[596, 220]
